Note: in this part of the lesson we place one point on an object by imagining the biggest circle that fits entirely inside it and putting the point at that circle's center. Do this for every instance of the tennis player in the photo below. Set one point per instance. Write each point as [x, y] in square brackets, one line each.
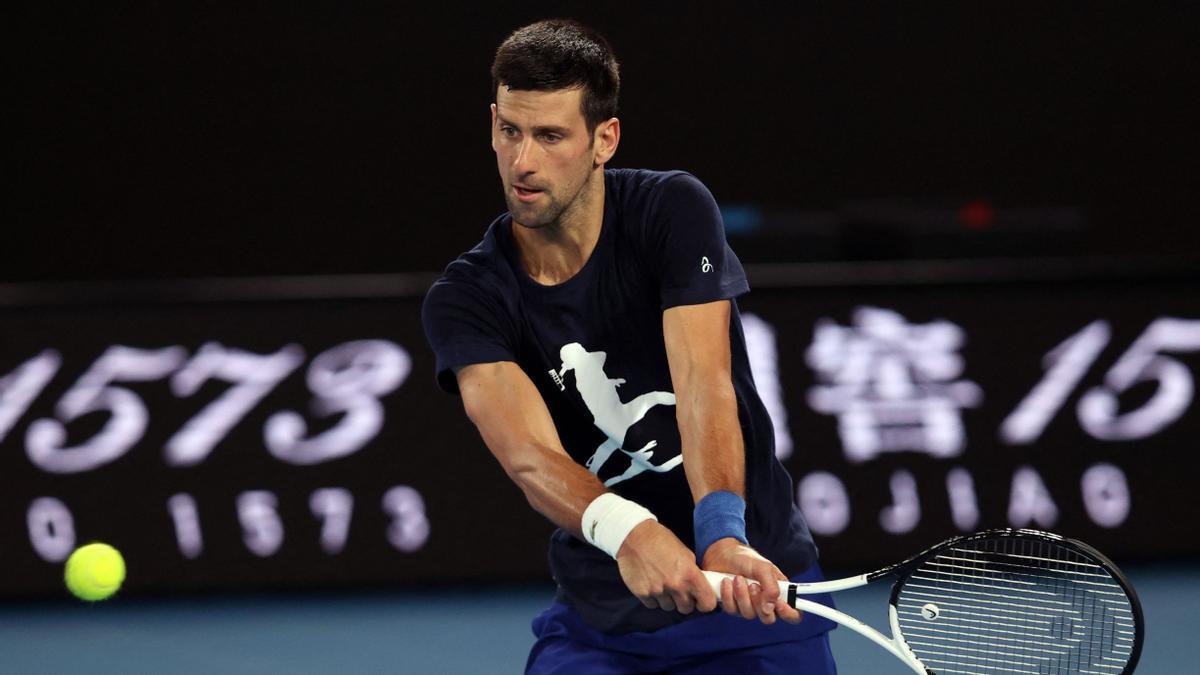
[595, 340]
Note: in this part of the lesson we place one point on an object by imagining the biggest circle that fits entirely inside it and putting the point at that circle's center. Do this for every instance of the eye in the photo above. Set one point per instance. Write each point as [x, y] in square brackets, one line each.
[551, 138]
[509, 132]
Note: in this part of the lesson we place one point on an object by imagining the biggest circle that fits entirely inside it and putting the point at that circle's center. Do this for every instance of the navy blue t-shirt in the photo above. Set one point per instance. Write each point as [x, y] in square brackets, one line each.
[593, 346]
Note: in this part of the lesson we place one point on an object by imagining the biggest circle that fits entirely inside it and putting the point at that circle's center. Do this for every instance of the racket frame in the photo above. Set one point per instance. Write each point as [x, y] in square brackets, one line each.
[792, 592]
[896, 645]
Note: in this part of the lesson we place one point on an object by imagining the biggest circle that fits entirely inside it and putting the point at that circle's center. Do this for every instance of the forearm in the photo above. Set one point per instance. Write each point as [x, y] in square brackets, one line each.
[556, 486]
[715, 461]
[575, 500]
[714, 457]
[515, 425]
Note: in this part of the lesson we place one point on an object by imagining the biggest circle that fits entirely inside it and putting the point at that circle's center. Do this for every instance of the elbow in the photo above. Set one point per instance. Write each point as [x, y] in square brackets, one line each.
[521, 472]
[533, 482]
[528, 470]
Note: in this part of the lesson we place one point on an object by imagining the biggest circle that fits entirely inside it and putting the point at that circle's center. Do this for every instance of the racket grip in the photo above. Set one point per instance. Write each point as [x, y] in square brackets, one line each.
[715, 579]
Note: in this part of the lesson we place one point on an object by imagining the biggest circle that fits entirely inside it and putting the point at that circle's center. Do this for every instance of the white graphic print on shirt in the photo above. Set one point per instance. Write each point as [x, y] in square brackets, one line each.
[612, 416]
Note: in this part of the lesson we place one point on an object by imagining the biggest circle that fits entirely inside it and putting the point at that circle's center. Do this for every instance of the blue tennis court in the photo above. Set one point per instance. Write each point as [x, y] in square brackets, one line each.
[446, 631]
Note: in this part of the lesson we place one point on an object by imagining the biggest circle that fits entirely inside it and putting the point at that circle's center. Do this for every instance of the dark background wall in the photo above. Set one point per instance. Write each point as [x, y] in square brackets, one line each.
[169, 140]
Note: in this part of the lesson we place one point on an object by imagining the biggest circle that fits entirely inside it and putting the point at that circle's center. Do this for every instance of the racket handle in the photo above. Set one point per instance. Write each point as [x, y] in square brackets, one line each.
[715, 579]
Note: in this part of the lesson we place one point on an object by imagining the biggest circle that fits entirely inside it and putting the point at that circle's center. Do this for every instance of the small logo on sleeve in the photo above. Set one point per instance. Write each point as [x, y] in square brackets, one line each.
[705, 266]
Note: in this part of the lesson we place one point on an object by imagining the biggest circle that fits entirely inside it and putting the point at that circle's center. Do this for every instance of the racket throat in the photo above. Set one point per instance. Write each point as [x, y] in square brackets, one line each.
[903, 651]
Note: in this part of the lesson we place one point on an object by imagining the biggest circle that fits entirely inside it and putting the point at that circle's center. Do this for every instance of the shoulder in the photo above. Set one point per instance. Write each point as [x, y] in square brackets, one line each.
[653, 204]
[479, 276]
[649, 192]
[656, 207]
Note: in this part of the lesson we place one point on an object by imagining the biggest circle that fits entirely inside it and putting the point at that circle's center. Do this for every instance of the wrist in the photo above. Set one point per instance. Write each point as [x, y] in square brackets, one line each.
[638, 539]
[608, 520]
[719, 550]
[718, 515]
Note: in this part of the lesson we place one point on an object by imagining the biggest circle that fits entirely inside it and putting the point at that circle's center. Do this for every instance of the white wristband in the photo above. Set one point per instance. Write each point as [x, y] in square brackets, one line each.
[609, 519]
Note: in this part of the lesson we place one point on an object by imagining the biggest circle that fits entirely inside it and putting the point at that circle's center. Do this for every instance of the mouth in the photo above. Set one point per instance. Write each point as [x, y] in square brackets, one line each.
[526, 194]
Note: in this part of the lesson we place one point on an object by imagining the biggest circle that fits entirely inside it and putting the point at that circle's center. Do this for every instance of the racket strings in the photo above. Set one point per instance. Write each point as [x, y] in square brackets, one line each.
[1016, 606]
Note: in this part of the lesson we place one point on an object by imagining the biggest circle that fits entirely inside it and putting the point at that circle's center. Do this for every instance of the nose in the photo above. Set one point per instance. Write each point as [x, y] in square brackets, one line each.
[524, 163]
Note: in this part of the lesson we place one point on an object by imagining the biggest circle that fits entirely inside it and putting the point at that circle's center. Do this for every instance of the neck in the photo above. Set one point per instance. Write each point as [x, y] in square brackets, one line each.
[556, 252]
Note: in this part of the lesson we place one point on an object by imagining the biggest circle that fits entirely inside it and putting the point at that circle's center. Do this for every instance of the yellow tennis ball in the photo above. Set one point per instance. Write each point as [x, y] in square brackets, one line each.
[94, 572]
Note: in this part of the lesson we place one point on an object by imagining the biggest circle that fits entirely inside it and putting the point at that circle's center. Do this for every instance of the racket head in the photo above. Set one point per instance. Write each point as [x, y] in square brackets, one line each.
[1025, 601]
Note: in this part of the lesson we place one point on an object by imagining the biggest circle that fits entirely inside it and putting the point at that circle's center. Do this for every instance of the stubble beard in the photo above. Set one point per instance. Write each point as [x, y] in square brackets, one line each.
[536, 216]
[548, 215]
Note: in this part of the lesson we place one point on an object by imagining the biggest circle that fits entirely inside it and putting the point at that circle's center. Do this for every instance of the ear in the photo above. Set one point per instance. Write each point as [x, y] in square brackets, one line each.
[607, 137]
[492, 131]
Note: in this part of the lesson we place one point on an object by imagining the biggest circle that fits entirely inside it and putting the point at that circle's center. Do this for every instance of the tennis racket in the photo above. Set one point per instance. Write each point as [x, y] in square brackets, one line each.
[998, 602]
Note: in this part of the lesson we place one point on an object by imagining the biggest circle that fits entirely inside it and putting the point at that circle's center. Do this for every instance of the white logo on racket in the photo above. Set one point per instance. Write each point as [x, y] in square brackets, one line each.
[930, 611]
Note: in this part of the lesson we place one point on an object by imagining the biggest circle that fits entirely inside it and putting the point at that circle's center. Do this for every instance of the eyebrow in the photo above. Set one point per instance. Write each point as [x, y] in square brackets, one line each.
[544, 129]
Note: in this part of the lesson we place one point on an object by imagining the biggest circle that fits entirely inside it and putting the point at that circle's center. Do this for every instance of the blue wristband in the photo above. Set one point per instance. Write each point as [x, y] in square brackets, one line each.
[718, 515]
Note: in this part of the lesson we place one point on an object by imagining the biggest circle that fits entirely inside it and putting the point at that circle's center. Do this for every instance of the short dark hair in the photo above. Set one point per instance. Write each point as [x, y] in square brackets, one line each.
[561, 54]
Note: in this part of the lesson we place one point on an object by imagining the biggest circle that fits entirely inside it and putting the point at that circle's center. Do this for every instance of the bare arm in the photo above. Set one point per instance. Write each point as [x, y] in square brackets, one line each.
[697, 340]
[516, 426]
[714, 456]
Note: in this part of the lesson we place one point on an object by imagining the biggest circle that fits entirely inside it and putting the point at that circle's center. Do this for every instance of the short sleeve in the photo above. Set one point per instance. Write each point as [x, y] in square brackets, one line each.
[464, 326]
[693, 260]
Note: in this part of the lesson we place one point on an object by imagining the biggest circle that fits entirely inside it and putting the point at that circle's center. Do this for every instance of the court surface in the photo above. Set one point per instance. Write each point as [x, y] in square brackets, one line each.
[438, 632]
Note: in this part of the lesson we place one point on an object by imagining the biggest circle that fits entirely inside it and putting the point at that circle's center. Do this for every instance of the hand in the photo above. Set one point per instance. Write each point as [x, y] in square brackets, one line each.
[662, 572]
[739, 596]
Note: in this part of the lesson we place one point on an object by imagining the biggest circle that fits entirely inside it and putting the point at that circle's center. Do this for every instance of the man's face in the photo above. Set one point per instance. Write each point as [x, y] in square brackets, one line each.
[543, 150]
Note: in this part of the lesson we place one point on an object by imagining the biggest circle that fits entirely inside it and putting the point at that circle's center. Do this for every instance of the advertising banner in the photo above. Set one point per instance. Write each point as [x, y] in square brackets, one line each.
[275, 440]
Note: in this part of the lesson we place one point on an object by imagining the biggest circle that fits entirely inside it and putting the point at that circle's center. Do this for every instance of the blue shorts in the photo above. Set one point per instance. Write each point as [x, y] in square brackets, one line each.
[714, 644]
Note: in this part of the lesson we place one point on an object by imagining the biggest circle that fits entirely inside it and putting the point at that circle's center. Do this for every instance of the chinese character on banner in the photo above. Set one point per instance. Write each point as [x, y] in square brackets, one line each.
[892, 384]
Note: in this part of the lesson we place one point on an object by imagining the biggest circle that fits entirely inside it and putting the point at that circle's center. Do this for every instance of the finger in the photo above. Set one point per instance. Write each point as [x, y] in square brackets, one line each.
[665, 602]
[741, 595]
[769, 576]
[727, 601]
[648, 601]
[764, 610]
[788, 613]
[706, 599]
[782, 609]
[683, 602]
